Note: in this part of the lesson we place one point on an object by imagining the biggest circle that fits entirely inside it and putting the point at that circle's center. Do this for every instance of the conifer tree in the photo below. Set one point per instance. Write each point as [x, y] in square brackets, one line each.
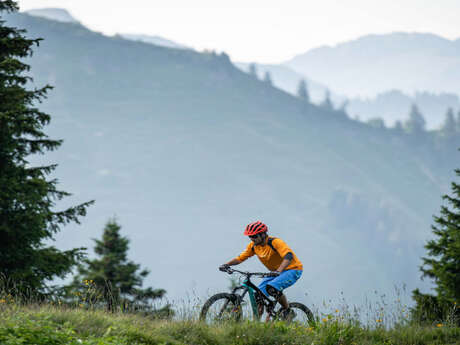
[28, 219]
[443, 263]
[343, 106]
[253, 70]
[398, 127]
[327, 103]
[268, 78]
[449, 129]
[416, 123]
[376, 122]
[302, 91]
[458, 122]
[119, 279]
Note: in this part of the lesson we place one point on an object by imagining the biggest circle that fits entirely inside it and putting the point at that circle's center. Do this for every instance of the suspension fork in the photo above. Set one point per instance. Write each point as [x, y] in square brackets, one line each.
[252, 299]
[241, 296]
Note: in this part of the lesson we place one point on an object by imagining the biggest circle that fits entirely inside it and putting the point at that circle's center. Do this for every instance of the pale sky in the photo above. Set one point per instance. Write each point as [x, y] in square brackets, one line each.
[264, 31]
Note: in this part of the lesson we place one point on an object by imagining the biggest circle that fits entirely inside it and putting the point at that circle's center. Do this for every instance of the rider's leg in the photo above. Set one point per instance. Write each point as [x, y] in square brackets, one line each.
[278, 295]
[281, 298]
[263, 288]
[283, 301]
[260, 309]
[276, 286]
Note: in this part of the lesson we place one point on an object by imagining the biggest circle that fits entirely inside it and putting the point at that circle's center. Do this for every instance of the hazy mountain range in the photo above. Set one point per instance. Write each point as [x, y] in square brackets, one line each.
[157, 40]
[394, 105]
[373, 64]
[378, 92]
[59, 14]
[288, 80]
[186, 149]
[391, 106]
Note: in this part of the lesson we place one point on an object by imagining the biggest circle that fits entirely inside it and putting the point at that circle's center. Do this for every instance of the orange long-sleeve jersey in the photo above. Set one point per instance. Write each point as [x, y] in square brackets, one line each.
[270, 258]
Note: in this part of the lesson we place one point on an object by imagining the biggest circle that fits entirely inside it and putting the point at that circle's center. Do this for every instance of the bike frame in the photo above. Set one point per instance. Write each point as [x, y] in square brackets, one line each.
[249, 287]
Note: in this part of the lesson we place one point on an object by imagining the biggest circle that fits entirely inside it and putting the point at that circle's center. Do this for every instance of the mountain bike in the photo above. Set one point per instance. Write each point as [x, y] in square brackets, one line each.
[233, 307]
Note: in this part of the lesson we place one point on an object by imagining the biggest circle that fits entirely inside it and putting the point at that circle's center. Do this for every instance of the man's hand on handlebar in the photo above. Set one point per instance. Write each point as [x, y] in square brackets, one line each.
[224, 267]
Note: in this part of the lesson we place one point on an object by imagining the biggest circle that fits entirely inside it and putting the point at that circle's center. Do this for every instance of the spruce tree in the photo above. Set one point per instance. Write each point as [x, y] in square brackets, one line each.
[443, 263]
[376, 122]
[449, 129]
[416, 123]
[253, 70]
[119, 279]
[458, 122]
[28, 220]
[268, 78]
[302, 91]
[327, 103]
[398, 128]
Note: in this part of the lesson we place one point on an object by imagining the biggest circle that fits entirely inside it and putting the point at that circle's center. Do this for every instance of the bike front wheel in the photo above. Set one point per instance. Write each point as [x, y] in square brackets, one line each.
[221, 307]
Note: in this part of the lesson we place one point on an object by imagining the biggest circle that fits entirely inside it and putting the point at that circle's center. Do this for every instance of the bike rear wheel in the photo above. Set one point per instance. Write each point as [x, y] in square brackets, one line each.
[221, 307]
[299, 313]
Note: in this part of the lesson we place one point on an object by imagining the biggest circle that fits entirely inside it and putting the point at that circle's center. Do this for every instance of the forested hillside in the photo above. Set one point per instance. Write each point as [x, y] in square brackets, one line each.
[186, 149]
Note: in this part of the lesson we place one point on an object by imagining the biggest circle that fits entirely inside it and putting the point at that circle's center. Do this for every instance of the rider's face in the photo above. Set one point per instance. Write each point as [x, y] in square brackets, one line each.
[257, 239]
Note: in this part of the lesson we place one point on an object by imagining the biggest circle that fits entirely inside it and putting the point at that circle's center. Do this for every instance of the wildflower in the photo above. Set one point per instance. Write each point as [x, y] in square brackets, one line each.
[379, 320]
[336, 310]
[325, 319]
[2, 300]
[439, 325]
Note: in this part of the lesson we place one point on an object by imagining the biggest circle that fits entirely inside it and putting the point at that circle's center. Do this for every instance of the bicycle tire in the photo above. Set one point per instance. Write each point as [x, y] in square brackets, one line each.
[302, 314]
[230, 311]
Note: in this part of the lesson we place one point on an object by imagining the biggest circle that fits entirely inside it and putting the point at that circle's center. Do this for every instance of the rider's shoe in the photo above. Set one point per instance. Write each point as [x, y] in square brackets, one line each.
[288, 314]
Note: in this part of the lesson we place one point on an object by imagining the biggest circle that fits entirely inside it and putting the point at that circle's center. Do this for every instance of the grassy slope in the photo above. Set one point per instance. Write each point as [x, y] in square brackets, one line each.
[52, 325]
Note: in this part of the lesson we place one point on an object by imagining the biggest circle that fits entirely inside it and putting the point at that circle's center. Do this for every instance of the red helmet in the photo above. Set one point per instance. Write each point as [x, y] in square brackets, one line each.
[255, 228]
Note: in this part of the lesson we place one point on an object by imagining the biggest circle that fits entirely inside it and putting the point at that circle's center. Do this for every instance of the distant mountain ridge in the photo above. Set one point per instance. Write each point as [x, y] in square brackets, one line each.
[63, 15]
[394, 105]
[186, 149]
[288, 80]
[58, 14]
[391, 105]
[373, 64]
[156, 40]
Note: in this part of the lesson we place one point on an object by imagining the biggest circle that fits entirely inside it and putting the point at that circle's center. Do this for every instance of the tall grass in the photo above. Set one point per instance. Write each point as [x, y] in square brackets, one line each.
[52, 321]
[47, 324]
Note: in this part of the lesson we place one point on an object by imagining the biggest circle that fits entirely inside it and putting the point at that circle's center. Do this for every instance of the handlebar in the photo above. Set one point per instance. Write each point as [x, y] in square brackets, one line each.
[249, 274]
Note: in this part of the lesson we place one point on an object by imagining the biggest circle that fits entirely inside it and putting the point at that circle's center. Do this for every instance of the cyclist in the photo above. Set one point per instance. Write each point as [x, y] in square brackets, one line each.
[275, 254]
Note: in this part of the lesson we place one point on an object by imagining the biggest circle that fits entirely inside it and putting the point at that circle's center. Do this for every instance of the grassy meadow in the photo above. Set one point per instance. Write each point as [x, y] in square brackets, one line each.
[53, 323]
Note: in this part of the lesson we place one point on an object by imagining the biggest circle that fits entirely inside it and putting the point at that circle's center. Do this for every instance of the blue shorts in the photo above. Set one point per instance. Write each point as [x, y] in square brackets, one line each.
[283, 281]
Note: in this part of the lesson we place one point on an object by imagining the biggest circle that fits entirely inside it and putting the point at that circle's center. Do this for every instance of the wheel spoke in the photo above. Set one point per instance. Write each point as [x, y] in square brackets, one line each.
[224, 307]
[221, 307]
